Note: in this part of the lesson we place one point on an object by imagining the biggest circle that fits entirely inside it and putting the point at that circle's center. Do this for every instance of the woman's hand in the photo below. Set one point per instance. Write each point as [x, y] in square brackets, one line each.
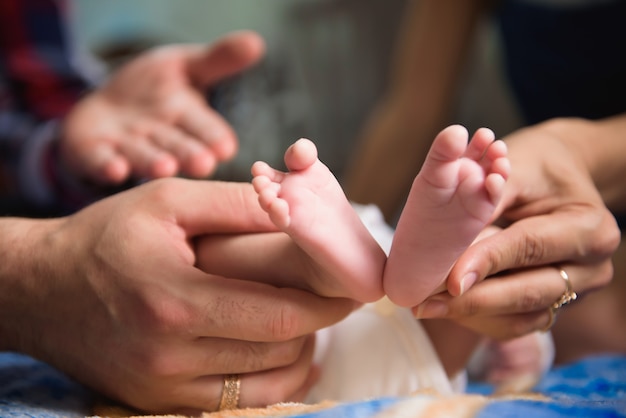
[553, 218]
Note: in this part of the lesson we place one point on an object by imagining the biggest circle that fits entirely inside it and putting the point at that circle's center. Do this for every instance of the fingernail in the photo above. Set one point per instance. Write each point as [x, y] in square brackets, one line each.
[431, 309]
[468, 281]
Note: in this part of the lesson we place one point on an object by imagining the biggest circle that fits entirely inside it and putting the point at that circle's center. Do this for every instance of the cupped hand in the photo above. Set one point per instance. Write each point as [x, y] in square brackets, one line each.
[553, 218]
[151, 118]
[115, 301]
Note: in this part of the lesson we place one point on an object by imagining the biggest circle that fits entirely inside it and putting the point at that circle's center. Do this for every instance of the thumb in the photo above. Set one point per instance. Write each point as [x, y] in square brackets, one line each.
[214, 207]
[229, 55]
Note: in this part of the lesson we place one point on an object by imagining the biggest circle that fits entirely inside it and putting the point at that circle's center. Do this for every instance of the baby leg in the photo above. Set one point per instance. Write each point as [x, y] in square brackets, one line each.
[309, 205]
[452, 199]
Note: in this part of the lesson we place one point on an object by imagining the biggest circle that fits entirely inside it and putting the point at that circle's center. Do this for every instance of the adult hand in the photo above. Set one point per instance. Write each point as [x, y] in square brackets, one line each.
[112, 297]
[554, 219]
[151, 119]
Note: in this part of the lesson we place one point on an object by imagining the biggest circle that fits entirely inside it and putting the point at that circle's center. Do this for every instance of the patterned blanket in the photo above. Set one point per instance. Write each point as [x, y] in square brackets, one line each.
[592, 387]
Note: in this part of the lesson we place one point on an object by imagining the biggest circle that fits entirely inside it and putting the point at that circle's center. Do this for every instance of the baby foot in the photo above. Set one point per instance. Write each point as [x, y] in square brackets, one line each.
[514, 365]
[452, 199]
[309, 205]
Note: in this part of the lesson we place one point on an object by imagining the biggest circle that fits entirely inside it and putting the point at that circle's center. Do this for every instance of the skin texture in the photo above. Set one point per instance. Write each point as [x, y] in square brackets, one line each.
[151, 119]
[112, 297]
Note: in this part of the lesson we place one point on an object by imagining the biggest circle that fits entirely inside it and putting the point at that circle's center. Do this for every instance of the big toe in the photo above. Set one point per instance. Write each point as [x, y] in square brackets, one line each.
[301, 155]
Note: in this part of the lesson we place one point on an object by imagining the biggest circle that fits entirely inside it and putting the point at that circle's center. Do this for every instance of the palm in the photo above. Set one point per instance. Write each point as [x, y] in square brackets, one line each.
[151, 119]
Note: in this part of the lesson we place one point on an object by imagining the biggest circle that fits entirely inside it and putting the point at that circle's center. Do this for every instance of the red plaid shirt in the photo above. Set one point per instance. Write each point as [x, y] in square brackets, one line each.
[39, 84]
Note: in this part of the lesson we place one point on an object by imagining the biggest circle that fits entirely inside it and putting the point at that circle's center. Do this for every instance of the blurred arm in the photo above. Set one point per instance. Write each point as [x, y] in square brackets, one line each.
[429, 56]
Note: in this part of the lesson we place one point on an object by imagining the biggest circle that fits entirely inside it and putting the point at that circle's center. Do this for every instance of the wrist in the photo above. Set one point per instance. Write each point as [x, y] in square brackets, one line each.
[24, 274]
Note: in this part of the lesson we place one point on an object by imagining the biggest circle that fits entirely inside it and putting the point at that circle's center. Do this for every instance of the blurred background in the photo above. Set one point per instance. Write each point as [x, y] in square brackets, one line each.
[326, 66]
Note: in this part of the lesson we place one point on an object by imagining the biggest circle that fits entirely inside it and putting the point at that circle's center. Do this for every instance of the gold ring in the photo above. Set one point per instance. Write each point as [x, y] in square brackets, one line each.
[551, 320]
[567, 297]
[230, 392]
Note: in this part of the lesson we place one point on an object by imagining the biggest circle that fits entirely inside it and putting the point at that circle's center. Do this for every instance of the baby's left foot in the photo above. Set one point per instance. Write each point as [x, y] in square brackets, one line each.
[451, 201]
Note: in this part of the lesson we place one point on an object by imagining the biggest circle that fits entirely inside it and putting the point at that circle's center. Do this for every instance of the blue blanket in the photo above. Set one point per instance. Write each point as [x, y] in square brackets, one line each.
[593, 387]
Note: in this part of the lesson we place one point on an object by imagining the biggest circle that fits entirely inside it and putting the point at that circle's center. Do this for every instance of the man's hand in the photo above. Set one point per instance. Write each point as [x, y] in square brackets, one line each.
[151, 119]
[112, 297]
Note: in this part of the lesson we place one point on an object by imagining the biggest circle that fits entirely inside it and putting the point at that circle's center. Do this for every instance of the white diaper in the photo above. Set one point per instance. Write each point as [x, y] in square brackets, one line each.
[379, 350]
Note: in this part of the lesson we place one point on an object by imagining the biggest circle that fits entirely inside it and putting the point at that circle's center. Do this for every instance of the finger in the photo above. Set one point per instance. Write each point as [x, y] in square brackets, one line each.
[207, 355]
[101, 164]
[506, 327]
[207, 207]
[227, 56]
[255, 389]
[147, 160]
[290, 382]
[194, 158]
[264, 313]
[312, 378]
[210, 129]
[518, 292]
[579, 235]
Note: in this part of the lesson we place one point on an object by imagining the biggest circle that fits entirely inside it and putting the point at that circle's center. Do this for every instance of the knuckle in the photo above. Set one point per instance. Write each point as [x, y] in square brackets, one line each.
[531, 251]
[467, 305]
[159, 363]
[248, 356]
[147, 359]
[284, 325]
[603, 276]
[163, 315]
[472, 306]
[605, 237]
[163, 191]
[520, 248]
[531, 299]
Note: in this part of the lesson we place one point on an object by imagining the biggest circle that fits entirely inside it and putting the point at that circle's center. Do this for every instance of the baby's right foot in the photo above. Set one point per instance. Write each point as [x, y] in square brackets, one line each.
[309, 205]
[452, 199]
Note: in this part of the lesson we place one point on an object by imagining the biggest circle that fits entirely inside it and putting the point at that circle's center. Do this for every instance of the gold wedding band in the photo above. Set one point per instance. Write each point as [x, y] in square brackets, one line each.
[230, 392]
[567, 297]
